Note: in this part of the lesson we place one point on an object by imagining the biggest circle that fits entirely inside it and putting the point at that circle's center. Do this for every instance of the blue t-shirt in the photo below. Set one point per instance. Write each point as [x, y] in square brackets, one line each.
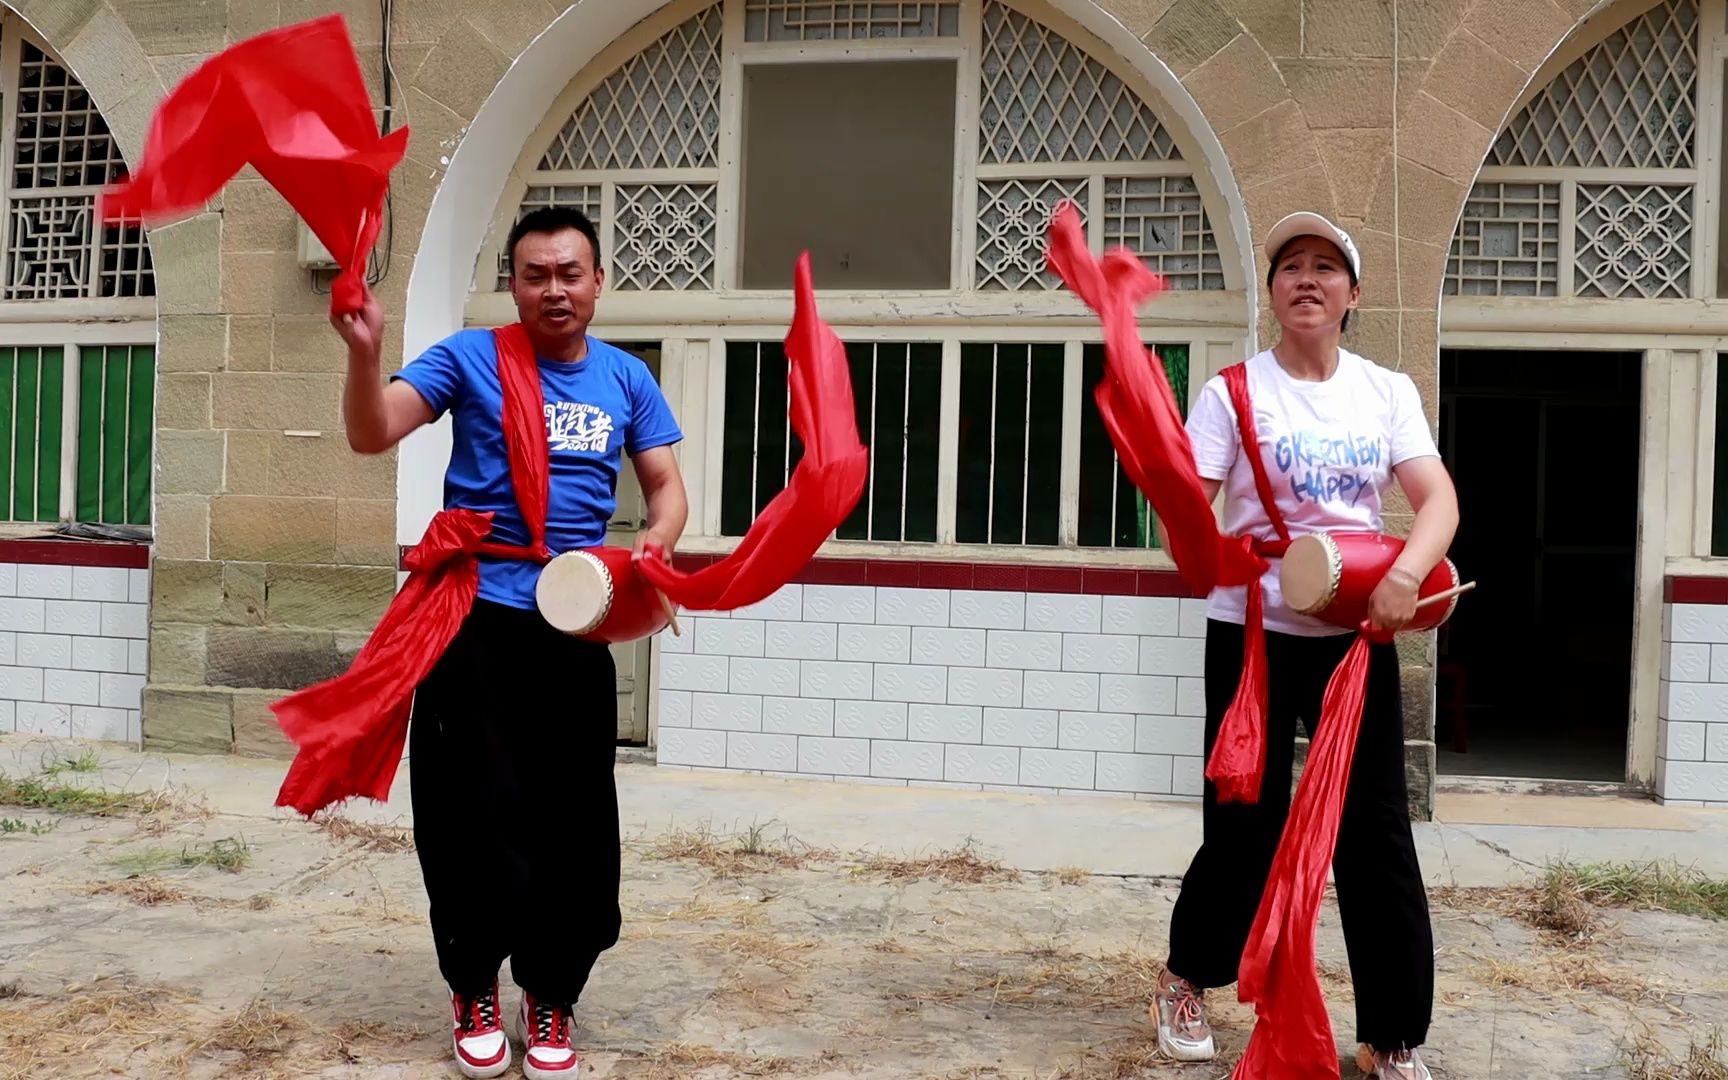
[605, 403]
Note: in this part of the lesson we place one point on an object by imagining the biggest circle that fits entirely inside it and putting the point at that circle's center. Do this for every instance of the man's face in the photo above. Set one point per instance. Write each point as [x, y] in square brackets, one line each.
[555, 284]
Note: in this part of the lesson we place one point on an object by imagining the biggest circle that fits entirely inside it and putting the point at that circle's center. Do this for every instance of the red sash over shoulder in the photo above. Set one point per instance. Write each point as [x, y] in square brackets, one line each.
[1293, 1040]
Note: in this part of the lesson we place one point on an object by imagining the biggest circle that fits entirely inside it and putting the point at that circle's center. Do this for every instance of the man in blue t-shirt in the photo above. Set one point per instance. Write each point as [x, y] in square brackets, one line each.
[511, 741]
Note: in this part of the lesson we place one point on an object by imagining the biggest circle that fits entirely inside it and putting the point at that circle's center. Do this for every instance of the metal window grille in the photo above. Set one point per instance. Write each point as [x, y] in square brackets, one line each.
[840, 20]
[663, 236]
[896, 389]
[1009, 489]
[1112, 511]
[115, 422]
[32, 383]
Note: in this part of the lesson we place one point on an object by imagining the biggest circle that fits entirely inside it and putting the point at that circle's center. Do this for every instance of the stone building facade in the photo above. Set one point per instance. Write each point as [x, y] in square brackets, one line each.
[1535, 185]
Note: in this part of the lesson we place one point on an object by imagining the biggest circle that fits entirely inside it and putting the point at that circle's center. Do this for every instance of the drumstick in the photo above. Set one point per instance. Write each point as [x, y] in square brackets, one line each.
[1441, 597]
[671, 615]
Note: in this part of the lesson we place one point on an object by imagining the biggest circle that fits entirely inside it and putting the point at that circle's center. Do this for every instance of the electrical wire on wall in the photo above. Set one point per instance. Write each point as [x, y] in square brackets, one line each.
[378, 261]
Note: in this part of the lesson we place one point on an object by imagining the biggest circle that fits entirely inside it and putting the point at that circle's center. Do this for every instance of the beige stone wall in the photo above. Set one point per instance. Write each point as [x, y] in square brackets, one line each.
[275, 551]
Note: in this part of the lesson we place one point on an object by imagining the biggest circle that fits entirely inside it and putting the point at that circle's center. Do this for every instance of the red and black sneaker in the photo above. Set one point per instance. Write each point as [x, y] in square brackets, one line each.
[482, 1051]
[545, 1028]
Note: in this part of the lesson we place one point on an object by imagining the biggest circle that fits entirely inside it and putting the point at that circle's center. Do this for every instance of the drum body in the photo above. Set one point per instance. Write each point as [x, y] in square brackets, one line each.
[597, 595]
[1331, 576]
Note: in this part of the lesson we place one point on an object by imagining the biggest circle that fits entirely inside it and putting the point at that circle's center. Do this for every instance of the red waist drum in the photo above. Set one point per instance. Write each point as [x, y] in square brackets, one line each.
[596, 594]
[1332, 575]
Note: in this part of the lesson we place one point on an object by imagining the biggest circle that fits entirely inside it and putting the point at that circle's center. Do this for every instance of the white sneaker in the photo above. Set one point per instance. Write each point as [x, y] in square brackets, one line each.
[482, 1051]
[546, 1050]
[1400, 1065]
[1179, 1010]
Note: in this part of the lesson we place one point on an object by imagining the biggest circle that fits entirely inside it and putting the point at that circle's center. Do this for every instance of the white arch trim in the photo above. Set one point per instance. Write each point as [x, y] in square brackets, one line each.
[475, 179]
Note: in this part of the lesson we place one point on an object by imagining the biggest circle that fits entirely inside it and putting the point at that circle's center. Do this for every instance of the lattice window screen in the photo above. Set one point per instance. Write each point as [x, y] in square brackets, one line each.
[1013, 219]
[839, 20]
[1634, 240]
[1162, 218]
[1508, 242]
[61, 156]
[661, 110]
[1046, 100]
[663, 236]
[1629, 103]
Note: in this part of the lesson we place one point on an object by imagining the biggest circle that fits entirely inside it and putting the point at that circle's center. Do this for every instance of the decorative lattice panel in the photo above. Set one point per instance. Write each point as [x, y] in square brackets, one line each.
[663, 236]
[1634, 240]
[49, 254]
[840, 20]
[124, 268]
[1161, 218]
[1626, 104]
[660, 110]
[1043, 99]
[60, 140]
[1013, 218]
[583, 197]
[1508, 242]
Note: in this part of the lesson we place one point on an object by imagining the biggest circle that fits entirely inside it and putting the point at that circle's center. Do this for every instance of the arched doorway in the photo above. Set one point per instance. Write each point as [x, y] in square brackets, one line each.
[77, 397]
[1578, 364]
[703, 140]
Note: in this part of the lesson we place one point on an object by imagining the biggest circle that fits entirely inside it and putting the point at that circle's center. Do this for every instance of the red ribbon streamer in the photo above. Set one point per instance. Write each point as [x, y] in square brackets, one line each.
[350, 730]
[292, 103]
[1293, 1039]
[823, 489]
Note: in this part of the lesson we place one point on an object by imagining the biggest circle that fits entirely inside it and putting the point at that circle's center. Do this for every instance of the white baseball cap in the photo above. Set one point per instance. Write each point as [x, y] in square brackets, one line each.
[1309, 224]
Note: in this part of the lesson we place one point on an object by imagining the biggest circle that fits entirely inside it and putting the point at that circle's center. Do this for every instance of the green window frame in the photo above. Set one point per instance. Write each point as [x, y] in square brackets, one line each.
[97, 467]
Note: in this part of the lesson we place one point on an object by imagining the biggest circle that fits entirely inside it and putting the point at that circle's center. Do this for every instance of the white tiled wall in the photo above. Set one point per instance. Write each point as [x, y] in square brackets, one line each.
[1692, 756]
[73, 650]
[1020, 691]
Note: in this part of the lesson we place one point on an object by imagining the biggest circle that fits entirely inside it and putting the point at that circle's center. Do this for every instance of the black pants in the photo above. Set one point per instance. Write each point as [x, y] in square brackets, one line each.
[1380, 896]
[515, 811]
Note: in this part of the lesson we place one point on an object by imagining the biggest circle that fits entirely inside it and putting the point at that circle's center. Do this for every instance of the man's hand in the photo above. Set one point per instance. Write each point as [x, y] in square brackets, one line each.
[362, 331]
[648, 539]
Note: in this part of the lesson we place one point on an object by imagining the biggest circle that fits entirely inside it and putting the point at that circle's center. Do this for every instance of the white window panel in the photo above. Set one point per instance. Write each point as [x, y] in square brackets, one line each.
[840, 20]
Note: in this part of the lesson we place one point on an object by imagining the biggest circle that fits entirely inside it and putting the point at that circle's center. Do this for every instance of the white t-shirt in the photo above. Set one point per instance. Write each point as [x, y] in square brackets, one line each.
[1329, 449]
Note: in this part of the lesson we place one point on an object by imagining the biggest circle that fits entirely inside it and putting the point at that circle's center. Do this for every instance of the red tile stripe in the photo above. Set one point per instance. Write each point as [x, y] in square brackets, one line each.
[1696, 590]
[987, 576]
[114, 553]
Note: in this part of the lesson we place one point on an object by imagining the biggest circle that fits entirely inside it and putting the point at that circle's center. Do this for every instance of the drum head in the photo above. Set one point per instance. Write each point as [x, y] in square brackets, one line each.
[574, 592]
[1308, 577]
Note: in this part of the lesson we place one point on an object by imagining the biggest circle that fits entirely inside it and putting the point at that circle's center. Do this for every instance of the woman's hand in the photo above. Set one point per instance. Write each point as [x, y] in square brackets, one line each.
[1393, 604]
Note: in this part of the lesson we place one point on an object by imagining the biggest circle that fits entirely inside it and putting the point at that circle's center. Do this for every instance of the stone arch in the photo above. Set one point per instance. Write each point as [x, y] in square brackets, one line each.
[478, 171]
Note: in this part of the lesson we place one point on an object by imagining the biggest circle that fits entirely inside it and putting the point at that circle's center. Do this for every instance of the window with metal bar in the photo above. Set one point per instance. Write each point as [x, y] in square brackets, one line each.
[115, 419]
[32, 385]
[1113, 513]
[896, 391]
[94, 469]
[1719, 509]
[1010, 459]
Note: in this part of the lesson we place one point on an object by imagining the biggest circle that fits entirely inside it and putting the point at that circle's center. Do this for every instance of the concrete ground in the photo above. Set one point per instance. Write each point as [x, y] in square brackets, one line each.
[780, 927]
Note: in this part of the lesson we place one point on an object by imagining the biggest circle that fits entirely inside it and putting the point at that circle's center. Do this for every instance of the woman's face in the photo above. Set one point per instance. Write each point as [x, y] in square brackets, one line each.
[1311, 288]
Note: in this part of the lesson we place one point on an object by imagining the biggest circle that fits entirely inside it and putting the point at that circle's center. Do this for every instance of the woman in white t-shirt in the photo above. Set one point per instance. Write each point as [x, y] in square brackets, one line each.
[1334, 431]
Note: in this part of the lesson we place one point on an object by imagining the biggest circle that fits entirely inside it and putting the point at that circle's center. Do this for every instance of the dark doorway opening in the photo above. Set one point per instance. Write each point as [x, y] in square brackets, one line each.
[1535, 675]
